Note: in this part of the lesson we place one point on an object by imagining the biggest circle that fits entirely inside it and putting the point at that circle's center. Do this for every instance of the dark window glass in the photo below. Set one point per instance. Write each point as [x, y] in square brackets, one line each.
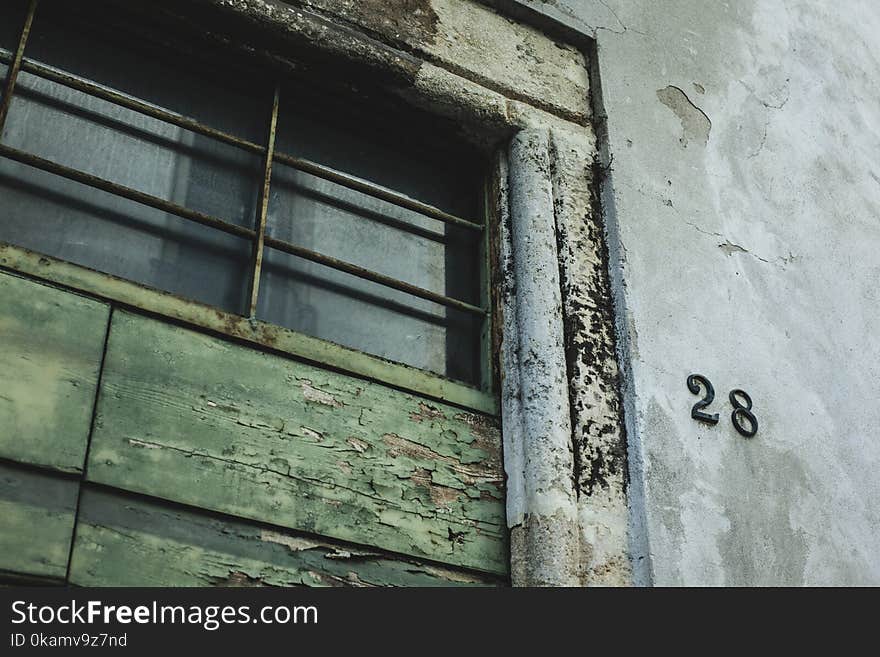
[12, 13]
[357, 228]
[74, 222]
[68, 220]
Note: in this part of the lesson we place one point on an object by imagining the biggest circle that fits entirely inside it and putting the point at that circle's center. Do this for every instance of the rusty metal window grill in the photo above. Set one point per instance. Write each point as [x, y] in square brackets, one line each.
[257, 236]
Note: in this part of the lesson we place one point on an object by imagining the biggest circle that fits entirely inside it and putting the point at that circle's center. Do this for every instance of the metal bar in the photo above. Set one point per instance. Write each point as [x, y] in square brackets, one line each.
[273, 338]
[232, 229]
[12, 74]
[104, 93]
[369, 275]
[125, 192]
[375, 191]
[263, 207]
[188, 123]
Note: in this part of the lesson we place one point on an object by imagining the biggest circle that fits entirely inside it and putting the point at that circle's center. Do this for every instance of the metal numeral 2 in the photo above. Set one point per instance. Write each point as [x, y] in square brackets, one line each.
[740, 410]
[694, 382]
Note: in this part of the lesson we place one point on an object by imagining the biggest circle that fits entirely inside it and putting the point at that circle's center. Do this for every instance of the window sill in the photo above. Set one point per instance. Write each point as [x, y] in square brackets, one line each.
[256, 332]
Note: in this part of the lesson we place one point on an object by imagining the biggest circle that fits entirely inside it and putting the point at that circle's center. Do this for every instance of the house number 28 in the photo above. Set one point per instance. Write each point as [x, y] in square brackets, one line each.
[742, 417]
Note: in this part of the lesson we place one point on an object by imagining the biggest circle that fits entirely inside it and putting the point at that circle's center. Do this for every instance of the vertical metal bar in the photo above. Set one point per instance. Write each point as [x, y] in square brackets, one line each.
[263, 208]
[12, 73]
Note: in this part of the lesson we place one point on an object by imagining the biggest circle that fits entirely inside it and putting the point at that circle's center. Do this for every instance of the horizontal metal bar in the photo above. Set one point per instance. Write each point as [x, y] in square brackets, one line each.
[105, 93]
[367, 274]
[188, 123]
[232, 229]
[263, 334]
[375, 191]
[125, 192]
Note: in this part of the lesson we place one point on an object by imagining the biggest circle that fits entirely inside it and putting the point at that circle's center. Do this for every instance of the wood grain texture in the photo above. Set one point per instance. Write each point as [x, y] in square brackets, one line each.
[51, 344]
[127, 541]
[194, 419]
[255, 332]
[36, 522]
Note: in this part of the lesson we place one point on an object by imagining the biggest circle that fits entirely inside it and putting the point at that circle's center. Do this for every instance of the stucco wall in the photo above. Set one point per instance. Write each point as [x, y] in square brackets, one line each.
[743, 208]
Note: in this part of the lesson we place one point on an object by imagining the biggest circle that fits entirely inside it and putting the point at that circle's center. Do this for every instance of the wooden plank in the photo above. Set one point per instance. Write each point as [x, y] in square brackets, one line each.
[51, 344]
[201, 421]
[36, 522]
[254, 331]
[127, 541]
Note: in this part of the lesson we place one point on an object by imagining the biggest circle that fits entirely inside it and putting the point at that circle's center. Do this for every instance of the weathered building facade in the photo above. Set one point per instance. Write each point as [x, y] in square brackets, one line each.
[323, 292]
[177, 414]
[741, 203]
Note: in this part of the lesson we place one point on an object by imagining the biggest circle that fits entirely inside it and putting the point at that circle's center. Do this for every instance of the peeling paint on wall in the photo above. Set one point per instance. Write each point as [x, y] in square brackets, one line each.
[695, 125]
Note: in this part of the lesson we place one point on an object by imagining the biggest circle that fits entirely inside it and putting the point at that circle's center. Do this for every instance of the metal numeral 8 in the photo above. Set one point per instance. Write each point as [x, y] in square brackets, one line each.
[740, 410]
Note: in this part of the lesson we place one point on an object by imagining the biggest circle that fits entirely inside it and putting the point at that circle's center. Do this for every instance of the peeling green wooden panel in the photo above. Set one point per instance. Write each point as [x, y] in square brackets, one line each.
[50, 353]
[198, 420]
[124, 541]
[36, 522]
[252, 331]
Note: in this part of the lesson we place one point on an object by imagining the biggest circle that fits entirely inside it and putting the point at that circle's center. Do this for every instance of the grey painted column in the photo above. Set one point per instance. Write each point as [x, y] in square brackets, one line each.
[538, 449]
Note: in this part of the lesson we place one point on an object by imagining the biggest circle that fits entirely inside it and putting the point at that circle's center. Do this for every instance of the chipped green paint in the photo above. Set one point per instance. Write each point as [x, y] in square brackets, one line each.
[36, 522]
[202, 421]
[253, 331]
[125, 541]
[50, 354]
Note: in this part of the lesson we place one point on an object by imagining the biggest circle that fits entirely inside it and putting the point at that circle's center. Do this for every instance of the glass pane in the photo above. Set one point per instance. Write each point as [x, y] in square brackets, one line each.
[329, 304]
[412, 159]
[12, 13]
[52, 215]
[357, 228]
[88, 227]
[128, 148]
[97, 42]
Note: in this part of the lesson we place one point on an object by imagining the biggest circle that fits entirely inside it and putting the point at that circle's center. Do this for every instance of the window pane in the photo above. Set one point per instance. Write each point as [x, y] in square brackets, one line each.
[125, 146]
[91, 228]
[12, 13]
[52, 215]
[357, 228]
[103, 47]
[398, 151]
[335, 306]
[360, 229]
[410, 157]
[85, 133]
